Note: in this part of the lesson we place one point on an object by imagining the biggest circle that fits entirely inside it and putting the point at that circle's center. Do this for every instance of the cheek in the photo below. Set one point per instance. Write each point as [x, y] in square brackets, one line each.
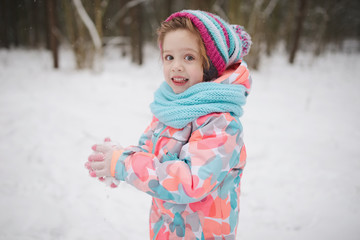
[165, 70]
[198, 74]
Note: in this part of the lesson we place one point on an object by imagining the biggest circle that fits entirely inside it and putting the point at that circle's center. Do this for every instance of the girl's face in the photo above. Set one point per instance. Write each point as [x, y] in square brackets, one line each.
[182, 62]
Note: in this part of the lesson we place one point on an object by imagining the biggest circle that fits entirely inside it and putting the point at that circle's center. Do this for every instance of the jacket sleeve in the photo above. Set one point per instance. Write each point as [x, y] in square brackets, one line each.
[215, 147]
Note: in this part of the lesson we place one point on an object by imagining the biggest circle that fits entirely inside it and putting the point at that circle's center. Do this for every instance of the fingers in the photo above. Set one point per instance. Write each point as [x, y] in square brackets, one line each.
[96, 161]
[96, 146]
[102, 179]
[105, 147]
[96, 157]
[99, 173]
[92, 173]
[97, 165]
[87, 165]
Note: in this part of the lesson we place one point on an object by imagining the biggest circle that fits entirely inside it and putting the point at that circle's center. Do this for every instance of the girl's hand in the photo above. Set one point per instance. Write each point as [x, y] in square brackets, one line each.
[99, 162]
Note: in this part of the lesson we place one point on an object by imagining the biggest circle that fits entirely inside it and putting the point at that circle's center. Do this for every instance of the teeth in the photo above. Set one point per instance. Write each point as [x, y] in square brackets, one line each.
[179, 79]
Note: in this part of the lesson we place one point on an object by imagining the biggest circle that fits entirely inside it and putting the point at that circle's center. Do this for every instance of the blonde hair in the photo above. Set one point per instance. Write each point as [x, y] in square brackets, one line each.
[183, 23]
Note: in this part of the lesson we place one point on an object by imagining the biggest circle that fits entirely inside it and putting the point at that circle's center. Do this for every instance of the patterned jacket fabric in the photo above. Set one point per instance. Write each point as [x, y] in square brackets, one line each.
[193, 173]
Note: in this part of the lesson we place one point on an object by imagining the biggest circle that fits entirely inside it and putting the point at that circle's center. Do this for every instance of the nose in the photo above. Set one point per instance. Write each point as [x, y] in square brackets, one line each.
[177, 66]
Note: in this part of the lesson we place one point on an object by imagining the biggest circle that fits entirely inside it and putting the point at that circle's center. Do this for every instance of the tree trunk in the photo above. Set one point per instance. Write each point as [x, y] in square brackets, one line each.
[34, 40]
[136, 35]
[96, 58]
[52, 30]
[14, 21]
[75, 32]
[319, 36]
[4, 26]
[234, 11]
[28, 24]
[121, 27]
[98, 18]
[255, 31]
[288, 24]
[168, 7]
[271, 30]
[298, 30]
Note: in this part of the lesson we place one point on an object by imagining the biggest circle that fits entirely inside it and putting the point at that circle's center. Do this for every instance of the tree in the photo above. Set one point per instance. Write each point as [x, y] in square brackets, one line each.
[127, 24]
[93, 33]
[298, 30]
[52, 32]
[259, 16]
[136, 34]
[4, 41]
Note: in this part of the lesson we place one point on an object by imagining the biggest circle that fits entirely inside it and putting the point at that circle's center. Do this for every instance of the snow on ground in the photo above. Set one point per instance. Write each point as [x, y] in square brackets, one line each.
[301, 130]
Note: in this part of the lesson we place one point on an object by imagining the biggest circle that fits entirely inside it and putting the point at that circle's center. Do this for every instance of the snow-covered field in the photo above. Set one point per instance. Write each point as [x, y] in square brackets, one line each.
[302, 133]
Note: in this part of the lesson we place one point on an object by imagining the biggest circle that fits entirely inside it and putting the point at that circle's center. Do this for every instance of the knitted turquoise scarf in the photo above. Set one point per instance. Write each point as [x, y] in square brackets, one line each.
[177, 110]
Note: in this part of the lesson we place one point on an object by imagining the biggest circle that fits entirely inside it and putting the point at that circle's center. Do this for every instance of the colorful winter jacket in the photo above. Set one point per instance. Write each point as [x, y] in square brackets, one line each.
[193, 173]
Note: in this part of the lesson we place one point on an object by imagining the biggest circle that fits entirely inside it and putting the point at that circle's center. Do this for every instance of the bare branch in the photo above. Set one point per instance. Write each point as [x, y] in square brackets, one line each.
[270, 8]
[219, 10]
[88, 23]
[123, 11]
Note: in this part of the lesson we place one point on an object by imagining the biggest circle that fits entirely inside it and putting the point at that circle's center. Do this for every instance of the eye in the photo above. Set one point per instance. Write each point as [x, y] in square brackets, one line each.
[189, 58]
[168, 57]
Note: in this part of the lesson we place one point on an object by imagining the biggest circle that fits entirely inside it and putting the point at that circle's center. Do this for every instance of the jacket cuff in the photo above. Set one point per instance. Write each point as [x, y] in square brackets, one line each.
[115, 157]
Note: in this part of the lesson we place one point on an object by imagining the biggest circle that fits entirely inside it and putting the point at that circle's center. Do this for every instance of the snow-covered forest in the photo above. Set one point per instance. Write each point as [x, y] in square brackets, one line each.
[301, 126]
[86, 26]
[301, 131]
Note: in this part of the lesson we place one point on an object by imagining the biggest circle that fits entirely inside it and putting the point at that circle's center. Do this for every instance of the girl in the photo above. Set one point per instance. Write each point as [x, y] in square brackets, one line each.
[191, 157]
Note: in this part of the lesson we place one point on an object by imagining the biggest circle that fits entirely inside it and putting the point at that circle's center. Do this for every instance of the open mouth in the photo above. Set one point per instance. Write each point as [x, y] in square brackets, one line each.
[179, 81]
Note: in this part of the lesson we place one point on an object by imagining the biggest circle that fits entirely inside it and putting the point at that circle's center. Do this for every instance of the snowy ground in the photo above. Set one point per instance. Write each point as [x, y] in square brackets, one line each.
[302, 133]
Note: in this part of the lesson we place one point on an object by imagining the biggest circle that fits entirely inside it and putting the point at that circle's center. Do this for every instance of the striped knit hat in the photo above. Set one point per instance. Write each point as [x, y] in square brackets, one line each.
[225, 44]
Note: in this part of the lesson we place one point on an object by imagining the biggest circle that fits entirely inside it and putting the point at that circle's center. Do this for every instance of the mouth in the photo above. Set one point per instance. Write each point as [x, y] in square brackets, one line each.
[179, 81]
